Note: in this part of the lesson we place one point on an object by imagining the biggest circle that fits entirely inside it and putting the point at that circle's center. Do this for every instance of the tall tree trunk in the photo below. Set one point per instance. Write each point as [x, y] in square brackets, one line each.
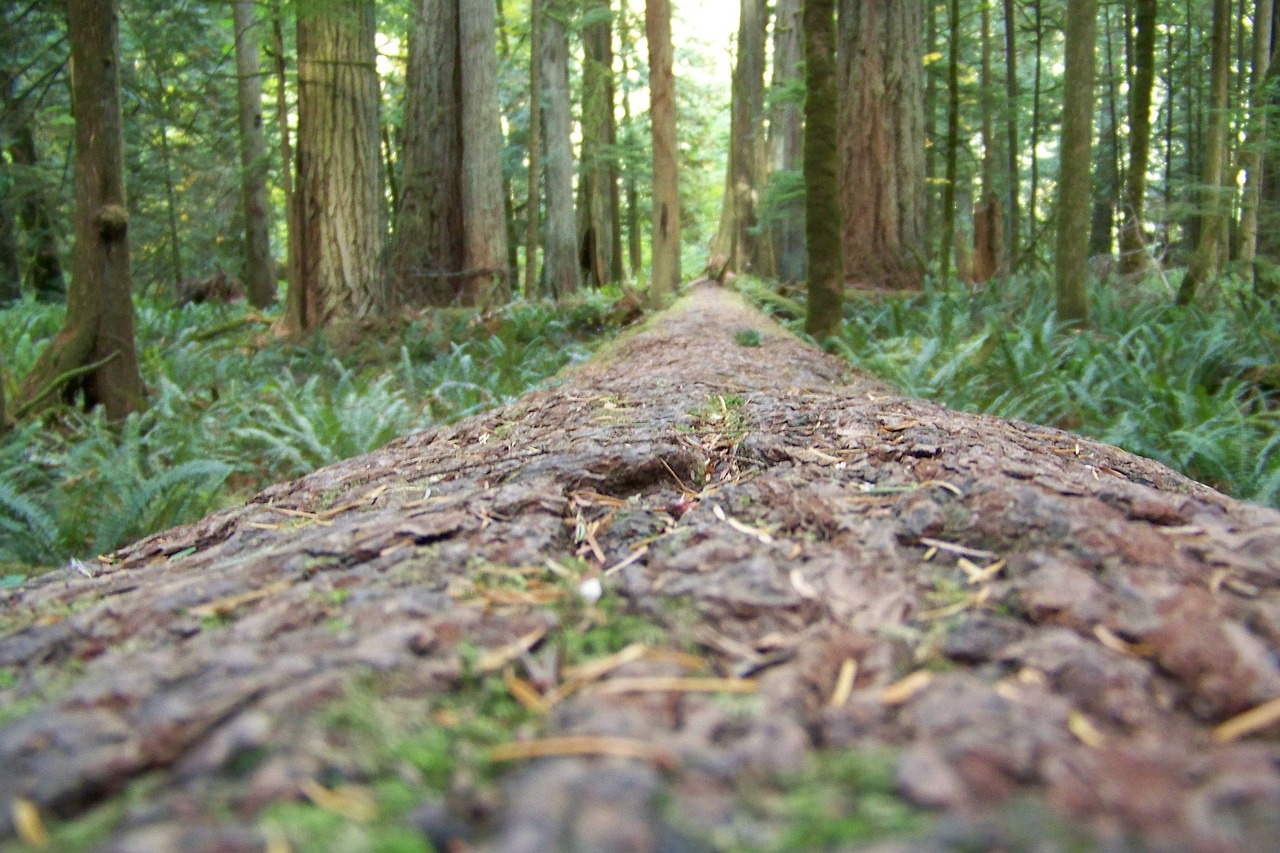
[881, 60]
[1033, 222]
[1133, 253]
[823, 253]
[734, 246]
[170, 194]
[953, 144]
[932, 143]
[562, 272]
[1106, 172]
[427, 250]
[1267, 259]
[662, 121]
[630, 143]
[986, 102]
[10, 275]
[1011, 141]
[534, 198]
[1214, 195]
[260, 266]
[342, 209]
[295, 301]
[29, 204]
[1073, 177]
[598, 215]
[1255, 145]
[98, 329]
[786, 139]
[482, 197]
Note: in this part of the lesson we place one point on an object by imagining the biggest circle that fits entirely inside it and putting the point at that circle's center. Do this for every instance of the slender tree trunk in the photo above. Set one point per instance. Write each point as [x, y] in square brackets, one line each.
[508, 194]
[1073, 177]
[533, 205]
[342, 207]
[953, 144]
[598, 190]
[260, 266]
[735, 243]
[1255, 145]
[1011, 141]
[787, 139]
[634, 248]
[482, 198]
[98, 328]
[881, 59]
[10, 275]
[29, 204]
[427, 250]
[1133, 252]
[170, 198]
[1037, 90]
[823, 252]
[1106, 172]
[932, 143]
[662, 121]
[295, 298]
[562, 273]
[986, 99]
[1214, 194]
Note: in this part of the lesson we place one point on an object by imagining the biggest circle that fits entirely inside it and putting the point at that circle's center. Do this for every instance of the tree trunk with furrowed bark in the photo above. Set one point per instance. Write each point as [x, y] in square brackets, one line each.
[1045, 639]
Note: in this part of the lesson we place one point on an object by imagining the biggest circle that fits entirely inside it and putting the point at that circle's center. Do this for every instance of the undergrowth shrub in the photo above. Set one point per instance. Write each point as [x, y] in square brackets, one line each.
[1194, 387]
[232, 409]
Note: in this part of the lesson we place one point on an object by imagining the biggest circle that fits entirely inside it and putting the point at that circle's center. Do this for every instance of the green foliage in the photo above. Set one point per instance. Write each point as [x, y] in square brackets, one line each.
[1188, 387]
[232, 410]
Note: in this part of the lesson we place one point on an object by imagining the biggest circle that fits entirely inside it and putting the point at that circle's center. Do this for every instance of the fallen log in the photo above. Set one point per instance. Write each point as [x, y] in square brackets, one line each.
[789, 561]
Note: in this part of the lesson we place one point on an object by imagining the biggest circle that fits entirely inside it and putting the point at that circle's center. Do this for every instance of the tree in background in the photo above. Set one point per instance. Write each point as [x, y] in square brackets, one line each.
[534, 195]
[665, 266]
[735, 246]
[599, 219]
[562, 271]
[786, 144]
[882, 142]
[94, 352]
[1214, 204]
[952, 150]
[259, 264]
[342, 212]
[1073, 176]
[1133, 248]
[821, 171]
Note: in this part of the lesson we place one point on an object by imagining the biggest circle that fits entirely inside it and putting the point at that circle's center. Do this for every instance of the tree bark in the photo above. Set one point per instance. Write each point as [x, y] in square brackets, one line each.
[1106, 172]
[1256, 141]
[342, 208]
[1213, 195]
[786, 140]
[482, 195]
[260, 266]
[599, 242]
[882, 142]
[952, 151]
[562, 273]
[98, 329]
[1011, 141]
[665, 247]
[1059, 607]
[30, 204]
[533, 203]
[295, 298]
[734, 246]
[1133, 248]
[1074, 180]
[824, 256]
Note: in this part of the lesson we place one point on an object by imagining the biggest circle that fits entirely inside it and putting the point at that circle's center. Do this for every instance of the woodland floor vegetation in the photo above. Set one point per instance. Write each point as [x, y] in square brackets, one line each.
[1195, 388]
[233, 409]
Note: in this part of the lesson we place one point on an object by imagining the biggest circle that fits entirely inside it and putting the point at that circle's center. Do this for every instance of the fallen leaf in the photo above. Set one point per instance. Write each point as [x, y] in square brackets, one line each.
[1085, 731]
[232, 603]
[354, 802]
[581, 745]
[844, 683]
[1254, 720]
[495, 659]
[901, 691]
[27, 823]
[802, 586]
[675, 684]
[523, 692]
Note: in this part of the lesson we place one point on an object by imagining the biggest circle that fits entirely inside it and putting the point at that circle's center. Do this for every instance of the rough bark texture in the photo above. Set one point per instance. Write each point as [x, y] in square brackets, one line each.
[735, 245]
[882, 142]
[260, 266]
[562, 273]
[823, 253]
[482, 197]
[427, 251]
[295, 298]
[786, 139]
[599, 240]
[533, 202]
[1133, 244]
[952, 151]
[1213, 195]
[1011, 139]
[1073, 621]
[988, 240]
[342, 213]
[1256, 141]
[98, 328]
[1074, 180]
[665, 246]
[29, 203]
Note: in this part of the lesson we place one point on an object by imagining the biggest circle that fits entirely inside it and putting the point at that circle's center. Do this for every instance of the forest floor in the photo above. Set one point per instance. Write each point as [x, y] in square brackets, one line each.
[712, 591]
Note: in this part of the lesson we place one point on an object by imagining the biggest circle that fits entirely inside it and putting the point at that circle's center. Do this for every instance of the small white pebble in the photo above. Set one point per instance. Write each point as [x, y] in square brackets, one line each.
[591, 589]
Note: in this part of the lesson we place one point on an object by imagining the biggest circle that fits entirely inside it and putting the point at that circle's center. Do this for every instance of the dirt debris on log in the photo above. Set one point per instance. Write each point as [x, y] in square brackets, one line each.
[1048, 641]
